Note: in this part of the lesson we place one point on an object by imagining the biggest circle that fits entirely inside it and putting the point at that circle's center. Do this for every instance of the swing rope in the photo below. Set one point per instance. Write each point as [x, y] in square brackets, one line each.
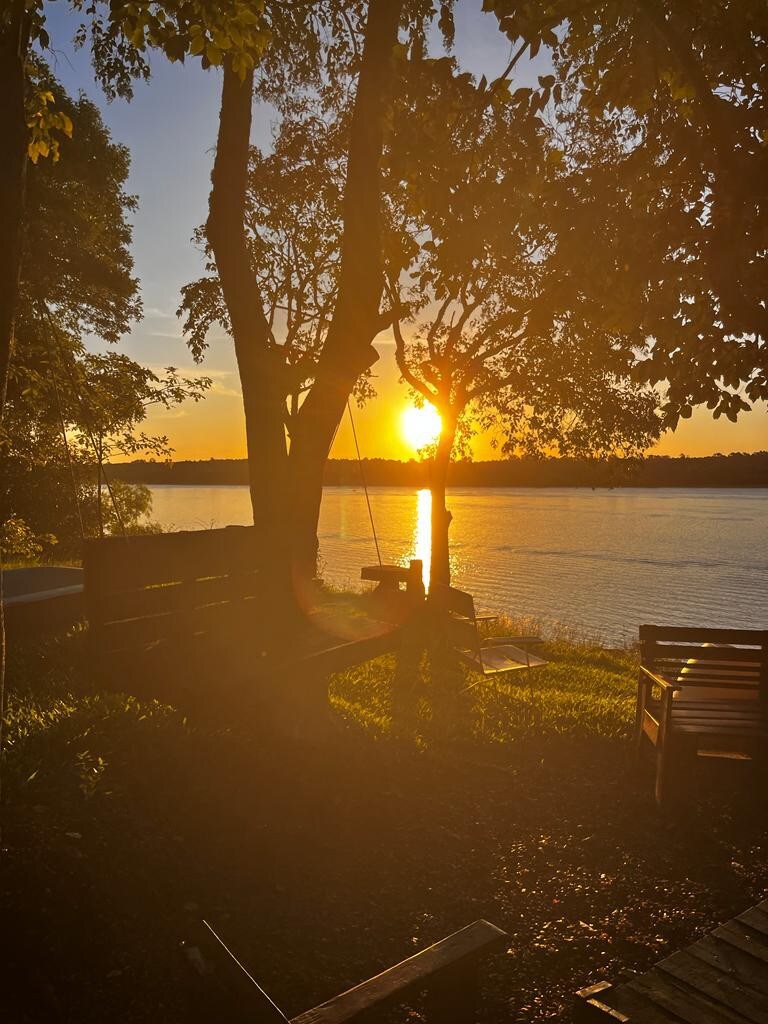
[362, 478]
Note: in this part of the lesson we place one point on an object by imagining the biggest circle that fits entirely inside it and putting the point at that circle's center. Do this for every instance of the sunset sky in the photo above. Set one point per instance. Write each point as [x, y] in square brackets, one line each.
[170, 129]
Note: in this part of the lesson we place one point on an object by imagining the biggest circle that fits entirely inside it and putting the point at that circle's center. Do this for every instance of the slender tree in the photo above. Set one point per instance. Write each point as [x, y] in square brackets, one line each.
[501, 336]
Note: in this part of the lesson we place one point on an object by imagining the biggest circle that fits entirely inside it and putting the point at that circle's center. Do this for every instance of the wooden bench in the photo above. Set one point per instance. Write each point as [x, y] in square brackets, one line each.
[721, 979]
[176, 601]
[446, 972]
[489, 655]
[701, 691]
[192, 614]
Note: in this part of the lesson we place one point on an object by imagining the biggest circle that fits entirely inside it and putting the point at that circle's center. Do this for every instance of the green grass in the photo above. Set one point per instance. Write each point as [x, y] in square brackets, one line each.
[584, 693]
[59, 730]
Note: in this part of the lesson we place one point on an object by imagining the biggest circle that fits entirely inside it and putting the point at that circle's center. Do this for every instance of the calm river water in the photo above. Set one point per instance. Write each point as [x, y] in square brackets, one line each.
[600, 561]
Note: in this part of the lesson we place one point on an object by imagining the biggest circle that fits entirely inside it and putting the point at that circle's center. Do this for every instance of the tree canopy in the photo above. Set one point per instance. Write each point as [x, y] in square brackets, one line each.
[78, 289]
[681, 88]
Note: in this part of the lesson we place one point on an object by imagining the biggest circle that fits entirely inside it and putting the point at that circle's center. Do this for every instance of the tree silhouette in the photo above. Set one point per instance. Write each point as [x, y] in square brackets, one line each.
[498, 333]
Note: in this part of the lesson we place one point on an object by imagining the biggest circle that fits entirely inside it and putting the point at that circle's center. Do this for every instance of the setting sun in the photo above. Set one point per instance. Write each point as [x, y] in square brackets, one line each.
[420, 426]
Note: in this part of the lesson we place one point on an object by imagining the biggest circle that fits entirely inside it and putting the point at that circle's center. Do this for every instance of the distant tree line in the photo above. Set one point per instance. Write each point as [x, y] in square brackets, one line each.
[736, 470]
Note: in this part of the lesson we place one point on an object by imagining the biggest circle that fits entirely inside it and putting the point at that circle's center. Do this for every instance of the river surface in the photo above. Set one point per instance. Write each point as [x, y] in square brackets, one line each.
[600, 562]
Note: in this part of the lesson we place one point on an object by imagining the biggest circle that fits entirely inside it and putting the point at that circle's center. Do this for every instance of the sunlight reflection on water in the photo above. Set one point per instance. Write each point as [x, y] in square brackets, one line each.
[603, 561]
[422, 533]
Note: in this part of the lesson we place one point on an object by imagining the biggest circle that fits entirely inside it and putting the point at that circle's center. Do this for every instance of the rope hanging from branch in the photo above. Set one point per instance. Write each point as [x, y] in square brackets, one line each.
[362, 478]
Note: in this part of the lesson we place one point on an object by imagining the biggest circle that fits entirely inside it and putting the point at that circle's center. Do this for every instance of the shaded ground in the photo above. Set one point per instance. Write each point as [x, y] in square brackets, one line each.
[322, 861]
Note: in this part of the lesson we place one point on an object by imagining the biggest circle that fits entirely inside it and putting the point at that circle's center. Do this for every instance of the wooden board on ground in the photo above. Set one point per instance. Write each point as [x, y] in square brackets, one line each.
[721, 979]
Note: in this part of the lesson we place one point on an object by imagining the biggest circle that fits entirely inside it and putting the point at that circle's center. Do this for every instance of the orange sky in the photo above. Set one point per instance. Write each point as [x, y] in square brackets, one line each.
[214, 428]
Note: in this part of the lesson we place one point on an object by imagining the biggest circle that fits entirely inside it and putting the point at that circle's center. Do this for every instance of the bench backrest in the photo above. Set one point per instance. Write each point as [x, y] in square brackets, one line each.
[460, 618]
[714, 664]
[146, 588]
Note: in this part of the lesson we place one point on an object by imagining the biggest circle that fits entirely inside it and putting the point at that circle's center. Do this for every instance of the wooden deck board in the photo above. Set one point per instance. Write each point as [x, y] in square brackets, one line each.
[721, 979]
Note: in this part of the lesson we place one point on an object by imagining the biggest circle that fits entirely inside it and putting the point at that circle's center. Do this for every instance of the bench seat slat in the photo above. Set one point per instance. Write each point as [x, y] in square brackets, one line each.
[698, 634]
[127, 563]
[501, 659]
[703, 655]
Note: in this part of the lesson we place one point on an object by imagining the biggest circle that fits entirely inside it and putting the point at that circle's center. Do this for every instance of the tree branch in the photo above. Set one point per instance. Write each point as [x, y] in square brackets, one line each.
[402, 364]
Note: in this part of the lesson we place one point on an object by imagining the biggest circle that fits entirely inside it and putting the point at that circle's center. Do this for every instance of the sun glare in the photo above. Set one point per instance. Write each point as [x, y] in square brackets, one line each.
[420, 426]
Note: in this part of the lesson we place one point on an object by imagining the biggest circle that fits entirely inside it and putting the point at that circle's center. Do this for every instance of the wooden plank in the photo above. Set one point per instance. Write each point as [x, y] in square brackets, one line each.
[756, 919]
[744, 967]
[697, 634]
[592, 1008]
[638, 1008]
[659, 653]
[743, 938]
[736, 733]
[687, 1004]
[386, 573]
[718, 676]
[409, 976]
[732, 700]
[716, 985]
[226, 617]
[719, 721]
[733, 709]
[182, 594]
[340, 657]
[126, 563]
[651, 727]
[718, 716]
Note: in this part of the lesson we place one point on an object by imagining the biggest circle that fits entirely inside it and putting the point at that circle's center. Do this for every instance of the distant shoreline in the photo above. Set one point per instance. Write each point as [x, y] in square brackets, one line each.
[717, 471]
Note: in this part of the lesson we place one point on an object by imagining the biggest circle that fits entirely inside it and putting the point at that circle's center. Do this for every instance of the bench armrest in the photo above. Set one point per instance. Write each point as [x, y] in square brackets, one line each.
[660, 680]
[460, 949]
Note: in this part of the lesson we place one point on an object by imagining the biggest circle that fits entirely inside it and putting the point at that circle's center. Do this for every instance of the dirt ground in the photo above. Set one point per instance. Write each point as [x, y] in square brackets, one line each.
[321, 863]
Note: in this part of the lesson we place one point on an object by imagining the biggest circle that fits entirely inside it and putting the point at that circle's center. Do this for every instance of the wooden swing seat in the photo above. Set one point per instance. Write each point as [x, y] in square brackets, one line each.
[502, 657]
[489, 655]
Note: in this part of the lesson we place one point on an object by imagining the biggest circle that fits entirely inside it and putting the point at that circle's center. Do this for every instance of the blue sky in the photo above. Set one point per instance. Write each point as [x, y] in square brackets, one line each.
[170, 129]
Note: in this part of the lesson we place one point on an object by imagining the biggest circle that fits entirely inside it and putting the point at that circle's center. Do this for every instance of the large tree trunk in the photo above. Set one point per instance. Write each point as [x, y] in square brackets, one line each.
[13, 167]
[260, 363]
[347, 351]
[439, 565]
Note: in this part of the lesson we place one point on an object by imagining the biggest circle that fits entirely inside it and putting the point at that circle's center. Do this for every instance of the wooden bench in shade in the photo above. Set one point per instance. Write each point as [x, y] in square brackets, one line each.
[174, 595]
[173, 613]
[721, 979]
[701, 691]
[445, 972]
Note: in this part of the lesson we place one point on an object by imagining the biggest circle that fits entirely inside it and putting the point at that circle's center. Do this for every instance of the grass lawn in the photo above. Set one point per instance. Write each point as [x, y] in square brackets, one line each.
[323, 859]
